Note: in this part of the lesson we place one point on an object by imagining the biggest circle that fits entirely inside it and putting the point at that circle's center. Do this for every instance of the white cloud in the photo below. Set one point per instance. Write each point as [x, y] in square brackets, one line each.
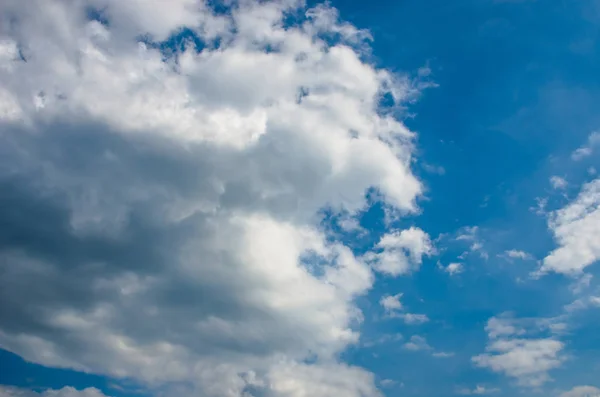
[518, 254]
[7, 391]
[417, 343]
[393, 308]
[576, 229]
[582, 391]
[413, 318]
[163, 213]
[478, 391]
[391, 302]
[443, 354]
[388, 382]
[401, 252]
[434, 169]
[454, 268]
[587, 149]
[528, 360]
[558, 182]
[470, 234]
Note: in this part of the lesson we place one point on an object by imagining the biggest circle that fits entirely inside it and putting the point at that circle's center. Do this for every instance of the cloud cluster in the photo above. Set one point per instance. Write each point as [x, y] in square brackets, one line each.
[162, 171]
[511, 352]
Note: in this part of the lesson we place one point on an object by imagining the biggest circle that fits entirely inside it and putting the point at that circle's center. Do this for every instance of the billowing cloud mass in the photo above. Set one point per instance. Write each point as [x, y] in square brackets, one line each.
[576, 229]
[162, 169]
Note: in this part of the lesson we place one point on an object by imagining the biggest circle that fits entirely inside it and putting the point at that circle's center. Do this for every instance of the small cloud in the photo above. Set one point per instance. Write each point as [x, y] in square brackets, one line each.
[518, 254]
[592, 171]
[558, 182]
[454, 268]
[393, 308]
[467, 233]
[388, 383]
[540, 205]
[391, 302]
[383, 339]
[443, 354]
[413, 318]
[478, 390]
[587, 149]
[582, 391]
[400, 252]
[417, 343]
[434, 169]
[424, 71]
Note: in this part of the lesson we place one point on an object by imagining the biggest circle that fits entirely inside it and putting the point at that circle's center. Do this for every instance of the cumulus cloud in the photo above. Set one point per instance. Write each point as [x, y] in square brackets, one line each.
[576, 229]
[511, 352]
[401, 252]
[161, 203]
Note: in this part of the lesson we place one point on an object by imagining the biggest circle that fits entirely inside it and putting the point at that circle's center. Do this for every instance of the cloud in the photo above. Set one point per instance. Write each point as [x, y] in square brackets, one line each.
[526, 359]
[587, 149]
[443, 354]
[391, 302]
[388, 382]
[478, 391]
[417, 343]
[518, 254]
[393, 308]
[401, 252]
[470, 234]
[582, 391]
[434, 169]
[454, 268]
[558, 182]
[161, 209]
[7, 391]
[576, 229]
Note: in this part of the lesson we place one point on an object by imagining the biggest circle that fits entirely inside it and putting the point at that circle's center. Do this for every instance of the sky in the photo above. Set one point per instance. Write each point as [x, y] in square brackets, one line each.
[288, 199]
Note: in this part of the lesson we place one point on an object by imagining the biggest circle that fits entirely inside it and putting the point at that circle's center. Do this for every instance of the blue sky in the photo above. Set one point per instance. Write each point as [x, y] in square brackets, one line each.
[469, 250]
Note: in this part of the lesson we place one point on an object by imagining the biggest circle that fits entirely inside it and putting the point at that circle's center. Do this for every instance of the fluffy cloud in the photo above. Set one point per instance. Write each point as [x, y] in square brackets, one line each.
[64, 392]
[527, 359]
[161, 202]
[401, 252]
[576, 229]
